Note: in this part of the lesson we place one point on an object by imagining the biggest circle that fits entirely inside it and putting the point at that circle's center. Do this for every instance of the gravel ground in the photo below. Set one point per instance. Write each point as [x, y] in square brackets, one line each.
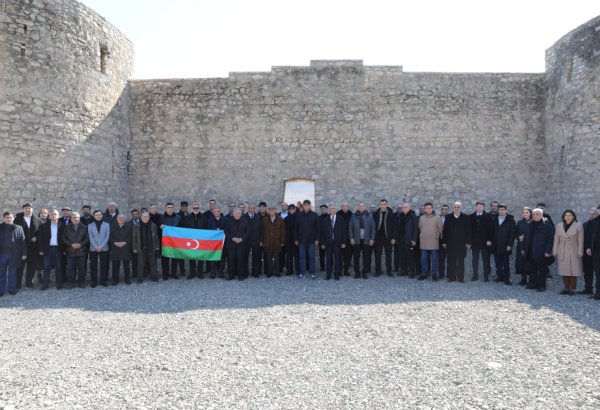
[290, 343]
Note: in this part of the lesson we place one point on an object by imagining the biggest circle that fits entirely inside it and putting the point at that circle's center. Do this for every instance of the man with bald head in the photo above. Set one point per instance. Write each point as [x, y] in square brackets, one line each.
[456, 239]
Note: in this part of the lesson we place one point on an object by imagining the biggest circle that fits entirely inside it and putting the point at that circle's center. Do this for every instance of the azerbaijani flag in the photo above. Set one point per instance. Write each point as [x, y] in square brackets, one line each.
[195, 244]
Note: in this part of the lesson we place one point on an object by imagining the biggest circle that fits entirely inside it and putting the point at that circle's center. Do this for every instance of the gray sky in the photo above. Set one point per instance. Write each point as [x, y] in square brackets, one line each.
[197, 38]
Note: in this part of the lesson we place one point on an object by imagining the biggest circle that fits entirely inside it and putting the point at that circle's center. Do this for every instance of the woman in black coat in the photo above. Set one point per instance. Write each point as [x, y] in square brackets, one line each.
[521, 236]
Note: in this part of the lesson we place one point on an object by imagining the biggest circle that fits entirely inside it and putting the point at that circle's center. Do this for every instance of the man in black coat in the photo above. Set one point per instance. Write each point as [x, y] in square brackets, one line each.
[456, 239]
[195, 220]
[51, 249]
[333, 240]
[539, 249]
[13, 251]
[86, 215]
[169, 218]
[236, 236]
[481, 240]
[323, 215]
[503, 239]
[111, 213]
[442, 252]
[120, 240]
[291, 260]
[348, 250]
[406, 233]
[254, 244]
[592, 250]
[588, 261]
[307, 237]
[31, 225]
[384, 228]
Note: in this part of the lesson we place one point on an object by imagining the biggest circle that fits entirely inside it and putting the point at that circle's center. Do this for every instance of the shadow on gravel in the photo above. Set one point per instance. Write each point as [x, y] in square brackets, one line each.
[175, 296]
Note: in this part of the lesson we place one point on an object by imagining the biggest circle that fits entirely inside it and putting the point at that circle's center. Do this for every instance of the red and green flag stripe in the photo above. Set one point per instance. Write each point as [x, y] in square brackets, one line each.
[195, 244]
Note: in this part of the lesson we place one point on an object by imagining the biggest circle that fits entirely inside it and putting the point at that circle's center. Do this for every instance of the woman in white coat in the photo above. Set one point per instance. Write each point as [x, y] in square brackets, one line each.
[568, 250]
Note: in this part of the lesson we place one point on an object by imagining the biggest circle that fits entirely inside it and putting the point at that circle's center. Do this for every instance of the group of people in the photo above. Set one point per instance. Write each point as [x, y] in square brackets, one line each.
[270, 239]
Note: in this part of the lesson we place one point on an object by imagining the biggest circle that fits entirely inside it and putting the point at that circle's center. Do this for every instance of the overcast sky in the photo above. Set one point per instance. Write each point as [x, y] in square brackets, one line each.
[197, 38]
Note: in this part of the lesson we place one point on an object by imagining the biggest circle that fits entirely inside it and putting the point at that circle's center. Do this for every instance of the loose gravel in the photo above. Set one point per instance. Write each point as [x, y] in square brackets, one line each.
[291, 343]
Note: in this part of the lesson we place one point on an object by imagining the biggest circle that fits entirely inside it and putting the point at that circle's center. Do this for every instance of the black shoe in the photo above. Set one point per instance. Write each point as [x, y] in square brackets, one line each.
[346, 273]
[128, 282]
[585, 292]
[201, 276]
[451, 280]
[461, 280]
[499, 279]
[403, 274]
[441, 276]
[328, 277]
[474, 279]
[564, 292]
[364, 276]
[44, 287]
[174, 276]
[190, 276]
[12, 292]
[523, 282]
[541, 289]
[422, 277]
[411, 276]
[82, 285]
[229, 277]
[596, 296]
[59, 288]
[212, 276]
[377, 274]
[530, 286]
[390, 274]
[357, 276]
[1, 294]
[486, 279]
[434, 279]
[165, 277]
[29, 286]
[508, 282]
[93, 284]
[337, 277]
[104, 284]
[571, 293]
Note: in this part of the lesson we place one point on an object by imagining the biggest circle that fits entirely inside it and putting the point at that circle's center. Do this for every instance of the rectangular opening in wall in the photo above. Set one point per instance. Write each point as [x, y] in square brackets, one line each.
[23, 50]
[299, 189]
[104, 55]
[569, 67]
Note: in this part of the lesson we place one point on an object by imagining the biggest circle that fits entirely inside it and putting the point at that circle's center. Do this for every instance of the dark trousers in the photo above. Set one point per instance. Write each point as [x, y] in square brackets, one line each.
[75, 269]
[8, 274]
[282, 257]
[116, 267]
[347, 253]
[146, 261]
[181, 264]
[196, 268]
[397, 252]
[254, 257]
[588, 272]
[236, 255]
[272, 265]
[53, 258]
[442, 261]
[63, 263]
[407, 259]
[216, 267]
[382, 243]
[167, 263]
[485, 256]
[28, 265]
[596, 262]
[538, 275]
[333, 260]
[292, 261]
[102, 257]
[456, 265]
[307, 257]
[502, 266]
[365, 249]
[321, 259]
[134, 265]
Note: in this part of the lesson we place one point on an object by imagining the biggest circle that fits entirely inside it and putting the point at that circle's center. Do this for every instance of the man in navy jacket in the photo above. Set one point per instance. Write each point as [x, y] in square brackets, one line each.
[333, 237]
[13, 251]
[307, 236]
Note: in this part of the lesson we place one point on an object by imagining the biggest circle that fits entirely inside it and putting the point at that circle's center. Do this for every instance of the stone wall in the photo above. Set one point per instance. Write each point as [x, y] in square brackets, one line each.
[572, 119]
[64, 124]
[362, 133]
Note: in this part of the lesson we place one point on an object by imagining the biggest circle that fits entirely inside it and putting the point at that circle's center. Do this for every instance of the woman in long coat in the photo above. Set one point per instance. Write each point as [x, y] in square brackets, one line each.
[521, 234]
[568, 250]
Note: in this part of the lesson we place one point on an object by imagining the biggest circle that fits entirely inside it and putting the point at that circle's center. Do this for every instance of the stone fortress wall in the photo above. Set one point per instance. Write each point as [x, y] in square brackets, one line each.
[360, 132]
[64, 123]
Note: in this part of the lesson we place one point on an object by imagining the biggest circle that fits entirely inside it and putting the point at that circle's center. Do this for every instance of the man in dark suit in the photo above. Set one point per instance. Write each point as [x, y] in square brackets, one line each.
[456, 239]
[51, 249]
[503, 238]
[346, 214]
[292, 262]
[236, 236]
[111, 213]
[481, 240]
[253, 247]
[13, 251]
[333, 240]
[31, 225]
[66, 221]
[195, 220]
[384, 228]
[442, 252]
[322, 216]
[120, 240]
[406, 233]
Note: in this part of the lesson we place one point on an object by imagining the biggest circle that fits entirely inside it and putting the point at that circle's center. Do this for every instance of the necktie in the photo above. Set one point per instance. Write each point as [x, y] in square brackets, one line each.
[332, 225]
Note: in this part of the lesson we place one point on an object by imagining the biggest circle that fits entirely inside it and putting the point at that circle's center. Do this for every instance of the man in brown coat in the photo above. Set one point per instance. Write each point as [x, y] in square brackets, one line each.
[430, 231]
[273, 230]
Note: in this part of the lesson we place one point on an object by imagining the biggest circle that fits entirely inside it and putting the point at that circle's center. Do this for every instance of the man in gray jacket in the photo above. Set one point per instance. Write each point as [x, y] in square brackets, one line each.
[99, 234]
[362, 237]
